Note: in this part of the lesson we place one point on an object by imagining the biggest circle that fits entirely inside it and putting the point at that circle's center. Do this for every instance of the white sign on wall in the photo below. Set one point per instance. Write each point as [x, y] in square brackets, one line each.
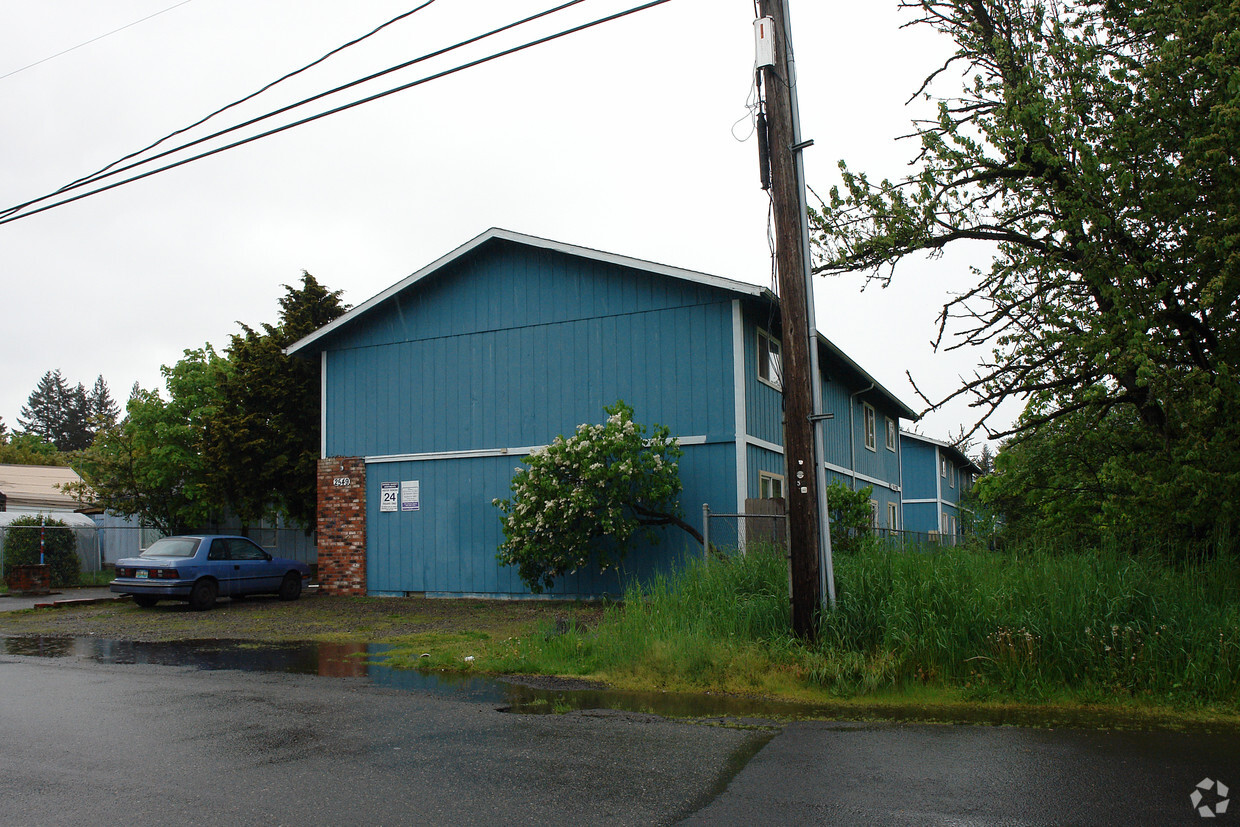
[388, 495]
[410, 495]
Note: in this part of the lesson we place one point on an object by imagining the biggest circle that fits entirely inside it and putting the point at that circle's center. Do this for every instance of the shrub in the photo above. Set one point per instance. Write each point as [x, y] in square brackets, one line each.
[21, 547]
[851, 517]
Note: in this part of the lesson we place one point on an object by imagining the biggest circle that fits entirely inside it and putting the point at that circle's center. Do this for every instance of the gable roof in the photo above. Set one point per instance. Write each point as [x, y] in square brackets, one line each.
[955, 454]
[495, 233]
[739, 288]
[31, 487]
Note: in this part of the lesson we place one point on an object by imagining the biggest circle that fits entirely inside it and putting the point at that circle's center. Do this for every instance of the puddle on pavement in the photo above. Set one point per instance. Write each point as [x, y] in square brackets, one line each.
[531, 696]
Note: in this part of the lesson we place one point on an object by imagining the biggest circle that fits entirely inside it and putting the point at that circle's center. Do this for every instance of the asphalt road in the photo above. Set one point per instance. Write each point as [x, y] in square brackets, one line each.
[83, 742]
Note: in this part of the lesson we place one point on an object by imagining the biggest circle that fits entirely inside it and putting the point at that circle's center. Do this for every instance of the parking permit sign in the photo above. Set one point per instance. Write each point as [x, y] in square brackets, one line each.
[410, 495]
[388, 495]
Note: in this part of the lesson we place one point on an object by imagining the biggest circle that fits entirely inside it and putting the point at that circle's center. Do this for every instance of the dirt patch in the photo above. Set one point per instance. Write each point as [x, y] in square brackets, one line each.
[314, 617]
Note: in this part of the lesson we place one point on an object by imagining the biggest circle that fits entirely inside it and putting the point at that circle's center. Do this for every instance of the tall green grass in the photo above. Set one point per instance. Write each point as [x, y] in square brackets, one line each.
[1026, 626]
[1041, 623]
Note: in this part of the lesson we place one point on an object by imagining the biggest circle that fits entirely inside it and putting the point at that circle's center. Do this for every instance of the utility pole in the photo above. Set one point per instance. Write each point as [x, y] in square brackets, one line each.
[800, 348]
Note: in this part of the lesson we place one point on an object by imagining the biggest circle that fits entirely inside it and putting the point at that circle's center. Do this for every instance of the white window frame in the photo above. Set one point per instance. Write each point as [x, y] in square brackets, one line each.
[943, 468]
[771, 480]
[891, 434]
[951, 476]
[773, 363]
[874, 513]
[893, 517]
[946, 523]
[869, 419]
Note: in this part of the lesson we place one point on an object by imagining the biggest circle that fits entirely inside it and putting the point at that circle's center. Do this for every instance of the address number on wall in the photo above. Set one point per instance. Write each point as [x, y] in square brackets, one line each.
[342, 482]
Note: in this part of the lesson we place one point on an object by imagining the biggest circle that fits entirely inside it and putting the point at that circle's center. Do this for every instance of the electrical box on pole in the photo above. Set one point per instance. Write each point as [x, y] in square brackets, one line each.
[764, 42]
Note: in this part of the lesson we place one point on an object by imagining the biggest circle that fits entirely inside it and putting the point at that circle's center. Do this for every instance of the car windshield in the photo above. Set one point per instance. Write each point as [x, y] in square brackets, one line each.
[172, 547]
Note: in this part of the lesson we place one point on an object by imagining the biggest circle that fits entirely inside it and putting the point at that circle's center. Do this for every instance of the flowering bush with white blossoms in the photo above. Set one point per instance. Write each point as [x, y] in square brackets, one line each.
[585, 497]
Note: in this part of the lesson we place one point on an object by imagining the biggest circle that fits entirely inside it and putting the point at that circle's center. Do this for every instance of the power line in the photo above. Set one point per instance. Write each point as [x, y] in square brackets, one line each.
[251, 96]
[99, 176]
[92, 40]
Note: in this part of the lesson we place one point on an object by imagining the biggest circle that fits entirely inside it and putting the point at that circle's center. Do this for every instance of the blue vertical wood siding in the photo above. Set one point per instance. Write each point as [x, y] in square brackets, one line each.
[449, 545]
[450, 368]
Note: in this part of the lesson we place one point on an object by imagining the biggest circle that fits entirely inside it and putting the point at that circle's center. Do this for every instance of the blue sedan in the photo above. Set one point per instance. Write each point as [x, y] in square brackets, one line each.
[199, 569]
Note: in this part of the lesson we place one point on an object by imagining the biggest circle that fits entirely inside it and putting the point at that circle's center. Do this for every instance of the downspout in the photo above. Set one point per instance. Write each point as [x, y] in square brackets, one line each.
[852, 432]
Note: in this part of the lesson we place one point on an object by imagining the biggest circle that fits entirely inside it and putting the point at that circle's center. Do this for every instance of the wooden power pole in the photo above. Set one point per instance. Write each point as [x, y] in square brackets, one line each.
[799, 345]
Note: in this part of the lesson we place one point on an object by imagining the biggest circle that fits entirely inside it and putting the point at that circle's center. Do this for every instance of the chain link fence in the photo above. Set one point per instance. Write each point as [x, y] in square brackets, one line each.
[763, 526]
[100, 546]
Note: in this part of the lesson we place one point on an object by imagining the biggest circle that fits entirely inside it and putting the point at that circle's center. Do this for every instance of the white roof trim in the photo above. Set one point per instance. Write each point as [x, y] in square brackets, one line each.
[941, 444]
[906, 412]
[531, 241]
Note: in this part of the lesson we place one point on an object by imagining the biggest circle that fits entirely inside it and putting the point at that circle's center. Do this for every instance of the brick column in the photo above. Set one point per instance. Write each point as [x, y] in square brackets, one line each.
[342, 525]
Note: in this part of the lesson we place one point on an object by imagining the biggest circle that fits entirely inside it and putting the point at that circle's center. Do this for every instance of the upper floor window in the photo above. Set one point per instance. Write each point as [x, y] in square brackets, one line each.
[770, 365]
[943, 468]
[951, 476]
[871, 427]
[891, 434]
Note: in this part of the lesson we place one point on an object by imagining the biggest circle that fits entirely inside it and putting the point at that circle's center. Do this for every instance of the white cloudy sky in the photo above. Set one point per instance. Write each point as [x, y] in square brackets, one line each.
[622, 138]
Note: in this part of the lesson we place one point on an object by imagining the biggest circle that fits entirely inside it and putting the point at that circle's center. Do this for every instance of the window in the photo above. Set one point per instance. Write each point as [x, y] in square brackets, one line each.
[871, 435]
[770, 486]
[874, 513]
[891, 434]
[770, 366]
[943, 468]
[893, 517]
[946, 524]
[951, 476]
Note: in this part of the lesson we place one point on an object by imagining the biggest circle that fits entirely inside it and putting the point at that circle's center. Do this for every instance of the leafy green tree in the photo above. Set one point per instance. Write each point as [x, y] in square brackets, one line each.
[28, 449]
[59, 547]
[152, 466]
[584, 498]
[238, 432]
[1092, 146]
[265, 434]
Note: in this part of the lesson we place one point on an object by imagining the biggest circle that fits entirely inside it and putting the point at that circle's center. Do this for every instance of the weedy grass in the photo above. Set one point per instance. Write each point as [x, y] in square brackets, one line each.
[1038, 626]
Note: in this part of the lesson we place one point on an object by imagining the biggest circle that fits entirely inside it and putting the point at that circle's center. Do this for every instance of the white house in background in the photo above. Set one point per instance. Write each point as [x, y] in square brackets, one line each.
[36, 488]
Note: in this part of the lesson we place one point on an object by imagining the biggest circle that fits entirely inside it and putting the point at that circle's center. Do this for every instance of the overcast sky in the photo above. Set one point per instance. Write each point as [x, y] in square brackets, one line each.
[623, 138]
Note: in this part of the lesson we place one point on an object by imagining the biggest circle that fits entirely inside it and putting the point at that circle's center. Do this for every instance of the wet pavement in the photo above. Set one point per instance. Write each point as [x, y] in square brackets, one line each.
[62, 597]
[215, 731]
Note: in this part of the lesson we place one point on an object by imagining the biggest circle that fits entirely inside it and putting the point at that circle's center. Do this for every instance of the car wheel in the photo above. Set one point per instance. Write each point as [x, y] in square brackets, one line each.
[290, 587]
[146, 601]
[203, 595]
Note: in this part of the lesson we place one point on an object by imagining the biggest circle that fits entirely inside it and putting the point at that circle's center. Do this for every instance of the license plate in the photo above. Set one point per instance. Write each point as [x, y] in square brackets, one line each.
[141, 574]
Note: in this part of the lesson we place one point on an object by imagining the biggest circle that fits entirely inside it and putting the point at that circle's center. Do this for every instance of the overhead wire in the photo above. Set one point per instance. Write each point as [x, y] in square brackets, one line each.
[250, 96]
[369, 99]
[92, 40]
[104, 173]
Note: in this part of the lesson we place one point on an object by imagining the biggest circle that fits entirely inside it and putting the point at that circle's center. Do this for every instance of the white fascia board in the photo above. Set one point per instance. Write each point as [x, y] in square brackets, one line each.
[738, 402]
[530, 241]
[762, 443]
[952, 451]
[905, 412]
[839, 469]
